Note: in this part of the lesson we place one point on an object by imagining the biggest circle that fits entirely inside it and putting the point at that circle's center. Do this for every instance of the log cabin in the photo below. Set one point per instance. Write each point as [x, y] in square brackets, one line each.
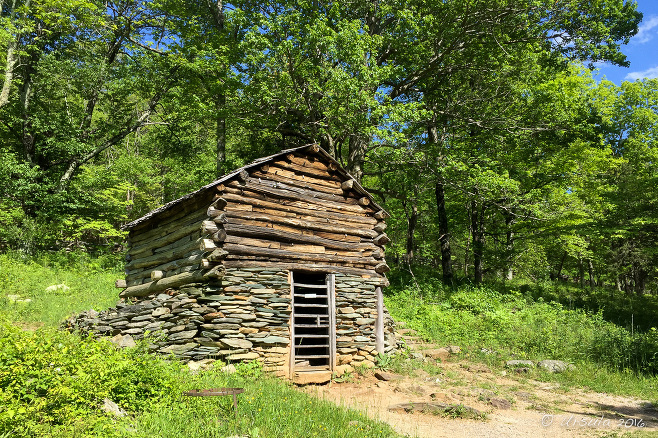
[281, 261]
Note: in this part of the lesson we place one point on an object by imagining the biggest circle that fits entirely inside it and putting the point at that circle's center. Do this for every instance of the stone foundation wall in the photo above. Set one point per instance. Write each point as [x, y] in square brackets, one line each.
[244, 316]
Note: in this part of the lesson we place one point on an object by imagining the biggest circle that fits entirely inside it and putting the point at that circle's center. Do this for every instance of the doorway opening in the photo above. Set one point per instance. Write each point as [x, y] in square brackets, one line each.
[313, 321]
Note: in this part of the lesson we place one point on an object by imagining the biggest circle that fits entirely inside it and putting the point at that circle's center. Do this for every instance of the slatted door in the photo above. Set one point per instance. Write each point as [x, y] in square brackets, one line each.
[313, 324]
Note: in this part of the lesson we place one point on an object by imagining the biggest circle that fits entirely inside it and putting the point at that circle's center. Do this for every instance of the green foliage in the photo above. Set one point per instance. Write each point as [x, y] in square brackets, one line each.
[54, 383]
[515, 324]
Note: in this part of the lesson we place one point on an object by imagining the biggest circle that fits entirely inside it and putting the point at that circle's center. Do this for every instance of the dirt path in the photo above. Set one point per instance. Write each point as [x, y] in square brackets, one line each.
[513, 406]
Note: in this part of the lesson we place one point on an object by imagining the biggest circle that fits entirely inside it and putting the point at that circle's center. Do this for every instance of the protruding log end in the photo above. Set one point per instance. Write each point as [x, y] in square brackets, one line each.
[381, 214]
[217, 255]
[209, 227]
[221, 219]
[207, 245]
[382, 268]
[220, 188]
[380, 227]
[213, 212]
[219, 236]
[265, 168]
[333, 166]
[363, 202]
[243, 175]
[120, 284]
[219, 203]
[313, 148]
[217, 272]
[347, 185]
[157, 275]
[381, 240]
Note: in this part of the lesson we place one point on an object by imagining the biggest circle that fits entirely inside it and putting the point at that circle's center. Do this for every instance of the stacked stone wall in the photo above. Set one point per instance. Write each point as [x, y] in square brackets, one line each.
[244, 316]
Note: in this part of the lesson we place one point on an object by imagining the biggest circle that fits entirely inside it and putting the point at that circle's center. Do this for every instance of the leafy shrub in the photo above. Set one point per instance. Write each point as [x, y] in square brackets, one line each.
[49, 380]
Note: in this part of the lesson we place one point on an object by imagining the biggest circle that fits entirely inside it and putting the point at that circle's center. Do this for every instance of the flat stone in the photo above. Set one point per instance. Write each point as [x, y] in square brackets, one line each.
[382, 375]
[237, 343]
[221, 326]
[179, 349]
[305, 378]
[361, 339]
[441, 354]
[123, 341]
[364, 321]
[243, 356]
[500, 403]
[555, 366]
[189, 334]
[160, 311]
[243, 316]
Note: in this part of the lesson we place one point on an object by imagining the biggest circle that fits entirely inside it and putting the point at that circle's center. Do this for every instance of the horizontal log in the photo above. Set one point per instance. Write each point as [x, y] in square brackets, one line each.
[354, 222]
[191, 259]
[304, 161]
[236, 195]
[164, 257]
[306, 225]
[290, 253]
[173, 233]
[160, 285]
[321, 176]
[299, 181]
[273, 234]
[120, 284]
[306, 267]
[182, 211]
[284, 197]
[288, 191]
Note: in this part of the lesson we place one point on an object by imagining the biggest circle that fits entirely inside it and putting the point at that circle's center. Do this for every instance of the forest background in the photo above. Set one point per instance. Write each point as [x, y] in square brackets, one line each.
[476, 123]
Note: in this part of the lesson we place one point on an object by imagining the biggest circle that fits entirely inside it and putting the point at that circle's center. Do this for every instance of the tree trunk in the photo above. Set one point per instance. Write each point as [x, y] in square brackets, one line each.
[444, 231]
[444, 235]
[590, 273]
[412, 221]
[220, 133]
[477, 224]
[560, 266]
[509, 246]
[357, 155]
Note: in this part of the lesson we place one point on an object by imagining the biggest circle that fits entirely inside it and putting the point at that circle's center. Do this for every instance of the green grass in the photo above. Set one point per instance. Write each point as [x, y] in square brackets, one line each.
[516, 325]
[90, 283]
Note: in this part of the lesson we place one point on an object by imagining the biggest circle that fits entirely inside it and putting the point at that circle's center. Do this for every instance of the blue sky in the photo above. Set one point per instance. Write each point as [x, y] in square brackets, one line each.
[642, 51]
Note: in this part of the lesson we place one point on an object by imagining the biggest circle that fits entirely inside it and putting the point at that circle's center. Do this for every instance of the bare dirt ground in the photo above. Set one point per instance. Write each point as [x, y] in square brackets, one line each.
[513, 406]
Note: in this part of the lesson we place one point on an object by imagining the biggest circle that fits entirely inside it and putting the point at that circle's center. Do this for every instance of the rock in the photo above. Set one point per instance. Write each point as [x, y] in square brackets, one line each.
[228, 369]
[112, 408]
[441, 354]
[243, 356]
[342, 369]
[305, 378]
[160, 311]
[201, 365]
[519, 363]
[123, 341]
[500, 403]
[237, 343]
[381, 375]
[453, 349]
[555, 366]
[189, 334]
[58, 288]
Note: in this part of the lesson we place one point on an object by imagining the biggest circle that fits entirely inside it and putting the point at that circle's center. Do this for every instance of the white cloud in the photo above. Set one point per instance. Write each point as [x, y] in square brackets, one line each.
[646, 30]
[651, 73]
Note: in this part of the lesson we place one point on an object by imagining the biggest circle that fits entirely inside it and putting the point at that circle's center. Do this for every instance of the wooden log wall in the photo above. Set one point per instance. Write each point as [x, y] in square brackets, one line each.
[296, 212]
[171, 250]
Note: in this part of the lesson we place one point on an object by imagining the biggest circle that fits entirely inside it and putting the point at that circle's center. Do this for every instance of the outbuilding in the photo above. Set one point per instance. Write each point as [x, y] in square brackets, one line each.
[281, 261]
